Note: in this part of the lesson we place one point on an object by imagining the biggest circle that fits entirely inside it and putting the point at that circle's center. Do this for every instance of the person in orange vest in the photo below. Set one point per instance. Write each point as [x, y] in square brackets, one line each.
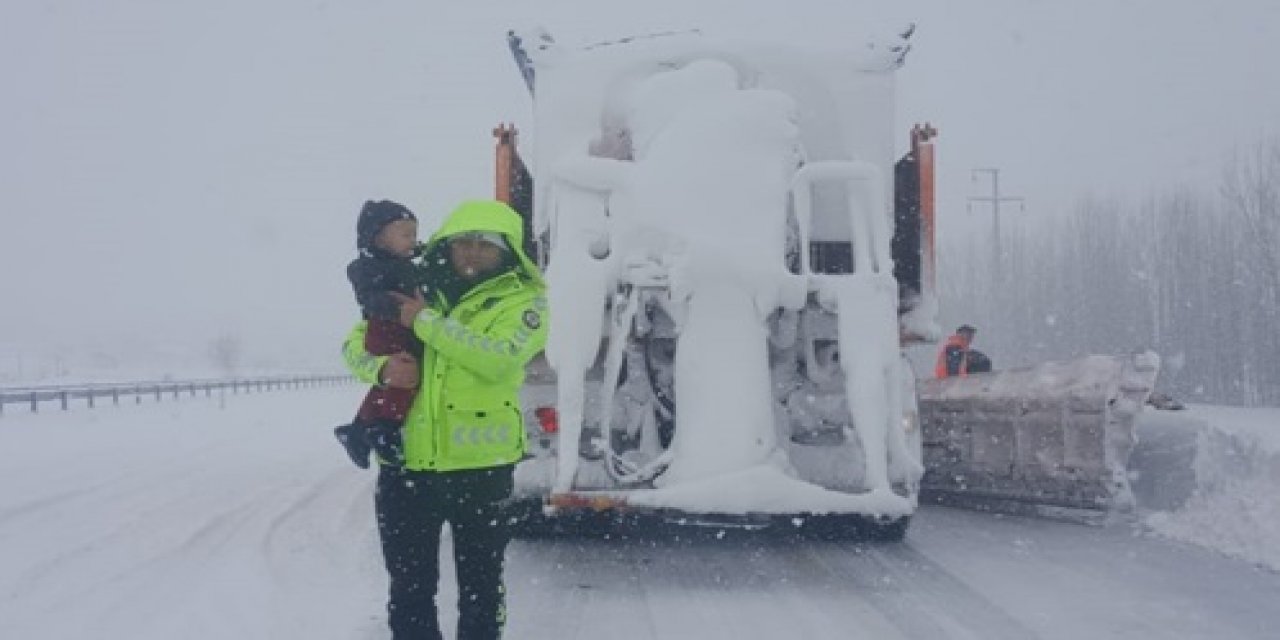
[953, 359]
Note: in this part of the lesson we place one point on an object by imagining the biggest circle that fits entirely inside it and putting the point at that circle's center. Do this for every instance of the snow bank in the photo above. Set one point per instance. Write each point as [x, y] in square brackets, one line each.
[201, 519]
[1211, 476]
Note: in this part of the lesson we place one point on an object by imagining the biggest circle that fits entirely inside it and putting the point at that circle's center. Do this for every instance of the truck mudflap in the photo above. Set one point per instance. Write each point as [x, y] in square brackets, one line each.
[1053, 439]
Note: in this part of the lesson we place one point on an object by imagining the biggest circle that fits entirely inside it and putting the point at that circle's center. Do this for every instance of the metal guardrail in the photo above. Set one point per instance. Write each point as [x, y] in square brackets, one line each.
[94, 394]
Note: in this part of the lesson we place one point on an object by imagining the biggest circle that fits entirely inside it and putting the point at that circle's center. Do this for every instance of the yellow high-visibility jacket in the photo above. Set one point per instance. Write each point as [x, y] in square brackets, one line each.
[467, 412]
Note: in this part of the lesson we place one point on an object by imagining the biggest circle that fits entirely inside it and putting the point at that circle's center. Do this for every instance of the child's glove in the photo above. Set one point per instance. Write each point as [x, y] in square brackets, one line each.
[385, 441]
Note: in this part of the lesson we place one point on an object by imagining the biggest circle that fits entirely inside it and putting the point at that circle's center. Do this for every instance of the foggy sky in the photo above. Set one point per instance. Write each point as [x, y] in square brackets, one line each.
[173, 171]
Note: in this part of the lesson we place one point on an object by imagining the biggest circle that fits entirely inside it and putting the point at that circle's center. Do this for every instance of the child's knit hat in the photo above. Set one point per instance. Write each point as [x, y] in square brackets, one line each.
[374, 216]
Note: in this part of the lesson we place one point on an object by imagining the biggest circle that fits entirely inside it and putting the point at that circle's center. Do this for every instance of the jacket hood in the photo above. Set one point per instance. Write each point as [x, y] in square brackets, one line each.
[489, 216]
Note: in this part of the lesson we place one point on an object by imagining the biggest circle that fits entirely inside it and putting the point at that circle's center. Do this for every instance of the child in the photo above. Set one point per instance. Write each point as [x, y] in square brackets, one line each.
[387, 237]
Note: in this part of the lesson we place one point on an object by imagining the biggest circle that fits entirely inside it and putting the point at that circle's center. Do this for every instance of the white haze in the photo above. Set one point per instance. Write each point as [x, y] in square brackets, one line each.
[176, 172]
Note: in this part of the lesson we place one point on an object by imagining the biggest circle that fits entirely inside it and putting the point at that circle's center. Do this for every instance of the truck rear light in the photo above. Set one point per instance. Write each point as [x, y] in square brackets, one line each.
[548, 419]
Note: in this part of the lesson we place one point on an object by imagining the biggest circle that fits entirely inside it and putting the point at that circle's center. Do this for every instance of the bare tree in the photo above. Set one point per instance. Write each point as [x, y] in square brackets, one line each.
[1251, 188]
[1193, 277]
[226, 351]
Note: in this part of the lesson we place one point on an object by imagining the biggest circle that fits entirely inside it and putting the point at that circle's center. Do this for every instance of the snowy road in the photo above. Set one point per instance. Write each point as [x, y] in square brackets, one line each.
[194, 521]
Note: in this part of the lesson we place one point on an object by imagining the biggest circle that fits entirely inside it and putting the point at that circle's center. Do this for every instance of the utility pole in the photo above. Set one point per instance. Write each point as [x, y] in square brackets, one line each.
[997, 254]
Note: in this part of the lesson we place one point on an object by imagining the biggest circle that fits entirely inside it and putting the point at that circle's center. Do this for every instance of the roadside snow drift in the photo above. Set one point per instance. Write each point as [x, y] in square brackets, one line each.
[1211, 476]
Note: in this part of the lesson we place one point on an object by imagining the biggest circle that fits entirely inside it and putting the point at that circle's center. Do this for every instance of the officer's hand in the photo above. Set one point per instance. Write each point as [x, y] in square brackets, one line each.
[409, 307]
[400, 371]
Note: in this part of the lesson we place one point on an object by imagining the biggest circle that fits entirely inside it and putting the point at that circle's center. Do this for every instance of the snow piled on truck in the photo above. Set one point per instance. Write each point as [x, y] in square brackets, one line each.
[679, 176]
[683, 212]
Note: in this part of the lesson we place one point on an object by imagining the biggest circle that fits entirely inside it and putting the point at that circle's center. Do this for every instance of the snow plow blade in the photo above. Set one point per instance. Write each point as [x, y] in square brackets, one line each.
[1053, 439]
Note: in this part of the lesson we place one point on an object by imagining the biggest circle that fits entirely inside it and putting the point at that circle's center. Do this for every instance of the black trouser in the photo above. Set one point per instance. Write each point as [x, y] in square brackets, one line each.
[412, 506]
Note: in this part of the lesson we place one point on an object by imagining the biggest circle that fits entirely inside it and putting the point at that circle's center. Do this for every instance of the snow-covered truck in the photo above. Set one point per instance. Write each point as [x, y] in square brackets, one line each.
[737, 258]
[719, 225]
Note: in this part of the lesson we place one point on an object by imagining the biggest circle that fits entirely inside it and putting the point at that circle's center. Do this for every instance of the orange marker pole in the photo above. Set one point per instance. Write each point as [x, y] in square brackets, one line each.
[922, 147]
[503, 161]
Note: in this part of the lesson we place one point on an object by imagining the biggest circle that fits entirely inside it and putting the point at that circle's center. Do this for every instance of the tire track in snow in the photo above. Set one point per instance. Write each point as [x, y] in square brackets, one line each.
[124, 483]
[742, 590]
[919, 596]
[164, 544]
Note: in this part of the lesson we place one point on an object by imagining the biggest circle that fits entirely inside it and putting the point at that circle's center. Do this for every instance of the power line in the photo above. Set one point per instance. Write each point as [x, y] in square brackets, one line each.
[995, 199]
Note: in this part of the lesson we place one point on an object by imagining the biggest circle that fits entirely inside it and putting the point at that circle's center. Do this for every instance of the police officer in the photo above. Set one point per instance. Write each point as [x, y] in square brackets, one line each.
[483, 319]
